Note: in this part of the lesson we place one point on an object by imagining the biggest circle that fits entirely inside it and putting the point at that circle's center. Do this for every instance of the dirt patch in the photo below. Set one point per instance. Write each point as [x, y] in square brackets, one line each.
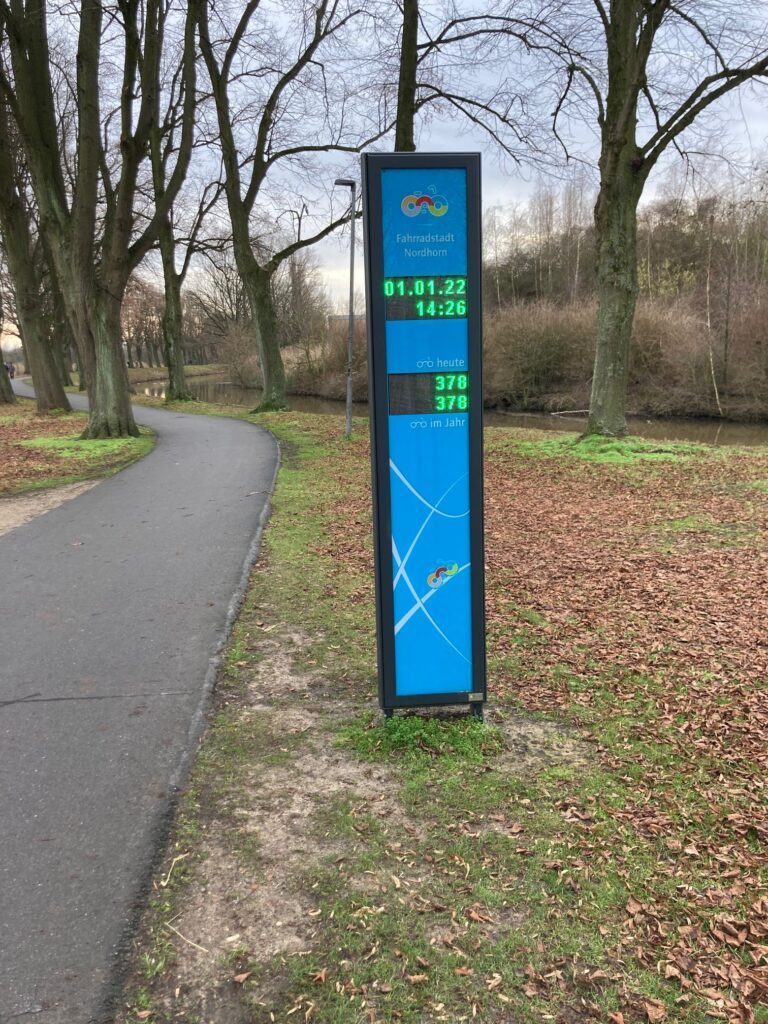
[279, 676]
[251, 897]
[531, 745]
[17, 511]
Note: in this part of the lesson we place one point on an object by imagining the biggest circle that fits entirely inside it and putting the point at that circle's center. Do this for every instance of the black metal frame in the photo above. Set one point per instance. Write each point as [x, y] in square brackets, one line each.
[372, 165]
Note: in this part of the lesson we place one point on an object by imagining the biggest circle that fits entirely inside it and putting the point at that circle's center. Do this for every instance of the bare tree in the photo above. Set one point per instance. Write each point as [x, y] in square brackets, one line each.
[24, 268]
[88, 209]
[450, 62]
[180, 230]
[666, 62]
[277, 106]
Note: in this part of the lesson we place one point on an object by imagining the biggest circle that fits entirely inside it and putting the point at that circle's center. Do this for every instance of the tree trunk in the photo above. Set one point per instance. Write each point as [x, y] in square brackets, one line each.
[6, 391]
[40, 358]
[61, 356]
[172, 327]
[15, 225]
[74, 360]
[110, 414]
[406, 86]
[95, 310]
[622, 176]
[63, 342]
[259, 291]
[49, 391]
[616, 241]
[38, 355]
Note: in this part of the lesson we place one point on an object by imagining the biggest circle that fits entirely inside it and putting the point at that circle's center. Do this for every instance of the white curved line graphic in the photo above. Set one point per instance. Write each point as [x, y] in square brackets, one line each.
[409, 614]
[409, 552]
[419, 606]
[422, 499]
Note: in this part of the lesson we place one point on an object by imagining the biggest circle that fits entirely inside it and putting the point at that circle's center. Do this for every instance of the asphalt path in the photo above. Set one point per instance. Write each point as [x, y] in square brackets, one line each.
[113, 610]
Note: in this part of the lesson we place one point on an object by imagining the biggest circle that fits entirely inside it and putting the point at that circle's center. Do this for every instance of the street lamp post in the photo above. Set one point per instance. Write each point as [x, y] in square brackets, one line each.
[352, 185]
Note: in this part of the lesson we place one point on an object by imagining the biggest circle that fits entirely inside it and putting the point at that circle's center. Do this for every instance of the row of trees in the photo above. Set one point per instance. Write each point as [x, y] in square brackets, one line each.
[692, 239]
[187, 123]
[700, 337]
[215, 316]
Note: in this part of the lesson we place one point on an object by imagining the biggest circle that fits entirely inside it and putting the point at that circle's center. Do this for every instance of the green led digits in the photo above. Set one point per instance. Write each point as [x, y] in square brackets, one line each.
[425, 298]
[419, 393]
[451, 392]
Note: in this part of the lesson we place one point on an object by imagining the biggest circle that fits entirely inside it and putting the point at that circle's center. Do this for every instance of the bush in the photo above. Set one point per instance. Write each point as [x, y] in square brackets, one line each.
[326, 375]
[237, 350]
[539, 355]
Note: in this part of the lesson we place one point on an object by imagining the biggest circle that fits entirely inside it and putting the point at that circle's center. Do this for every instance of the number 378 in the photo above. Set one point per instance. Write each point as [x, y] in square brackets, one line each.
[451, 403]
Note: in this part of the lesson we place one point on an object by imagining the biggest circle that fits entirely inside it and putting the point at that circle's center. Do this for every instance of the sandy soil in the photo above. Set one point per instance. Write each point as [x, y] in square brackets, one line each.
[19, 510]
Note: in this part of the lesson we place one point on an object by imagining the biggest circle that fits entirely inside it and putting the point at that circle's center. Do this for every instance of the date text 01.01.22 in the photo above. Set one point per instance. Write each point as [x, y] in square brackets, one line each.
[425, 298]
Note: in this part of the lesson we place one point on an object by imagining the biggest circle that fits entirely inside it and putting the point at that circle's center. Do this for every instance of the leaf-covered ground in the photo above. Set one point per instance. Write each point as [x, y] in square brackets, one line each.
[45, 451]
[648, 588]
[597, 852]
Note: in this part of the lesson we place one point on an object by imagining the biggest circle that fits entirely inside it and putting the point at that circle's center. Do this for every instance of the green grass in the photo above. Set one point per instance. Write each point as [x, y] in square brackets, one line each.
[89, 459]
[617, 451]
[516, 897]
[95, 450]
[420, 740]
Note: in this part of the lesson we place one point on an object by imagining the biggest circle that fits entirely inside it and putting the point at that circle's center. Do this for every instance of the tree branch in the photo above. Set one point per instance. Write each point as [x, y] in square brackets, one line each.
[302, 243]
[603, 16]
[699, 100]
[324, 27]
[684, 16]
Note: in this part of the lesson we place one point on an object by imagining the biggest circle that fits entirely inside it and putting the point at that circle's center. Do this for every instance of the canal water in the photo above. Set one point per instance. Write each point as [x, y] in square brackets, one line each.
[718, 432]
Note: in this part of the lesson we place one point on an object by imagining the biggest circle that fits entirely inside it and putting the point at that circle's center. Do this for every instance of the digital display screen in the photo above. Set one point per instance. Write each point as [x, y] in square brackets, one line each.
[418, 393]
[425, 298]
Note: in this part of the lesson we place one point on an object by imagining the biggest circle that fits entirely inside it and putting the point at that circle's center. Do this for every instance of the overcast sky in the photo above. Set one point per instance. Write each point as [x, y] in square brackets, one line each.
[740, 128]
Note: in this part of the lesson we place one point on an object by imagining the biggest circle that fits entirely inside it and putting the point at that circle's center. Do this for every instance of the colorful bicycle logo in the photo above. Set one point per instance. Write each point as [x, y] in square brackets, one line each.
[412, 206]
[442, 575]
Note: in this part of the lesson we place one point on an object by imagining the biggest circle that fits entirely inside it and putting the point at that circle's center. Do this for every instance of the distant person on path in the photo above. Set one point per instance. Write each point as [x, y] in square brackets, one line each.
[10, 367]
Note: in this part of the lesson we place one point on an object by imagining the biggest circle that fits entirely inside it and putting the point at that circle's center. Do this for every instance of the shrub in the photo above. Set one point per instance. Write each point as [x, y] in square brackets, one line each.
[539, 355]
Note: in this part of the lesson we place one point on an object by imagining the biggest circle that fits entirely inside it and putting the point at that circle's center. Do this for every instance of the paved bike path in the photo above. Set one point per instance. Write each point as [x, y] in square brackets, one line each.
[112, 609]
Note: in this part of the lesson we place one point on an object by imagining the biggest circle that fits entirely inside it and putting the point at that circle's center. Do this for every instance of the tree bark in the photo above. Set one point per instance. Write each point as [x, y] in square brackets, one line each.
[173, 319]
[617, 287]
[406, 86]
[259, 292]
[6, 391]
[111, 414]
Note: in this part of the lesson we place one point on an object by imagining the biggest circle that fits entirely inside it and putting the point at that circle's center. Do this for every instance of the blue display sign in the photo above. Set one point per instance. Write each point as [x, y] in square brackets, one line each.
[422, 221]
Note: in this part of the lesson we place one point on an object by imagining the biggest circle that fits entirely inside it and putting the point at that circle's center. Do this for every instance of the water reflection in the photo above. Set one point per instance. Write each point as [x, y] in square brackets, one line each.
[714, 432]
[224, 392]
